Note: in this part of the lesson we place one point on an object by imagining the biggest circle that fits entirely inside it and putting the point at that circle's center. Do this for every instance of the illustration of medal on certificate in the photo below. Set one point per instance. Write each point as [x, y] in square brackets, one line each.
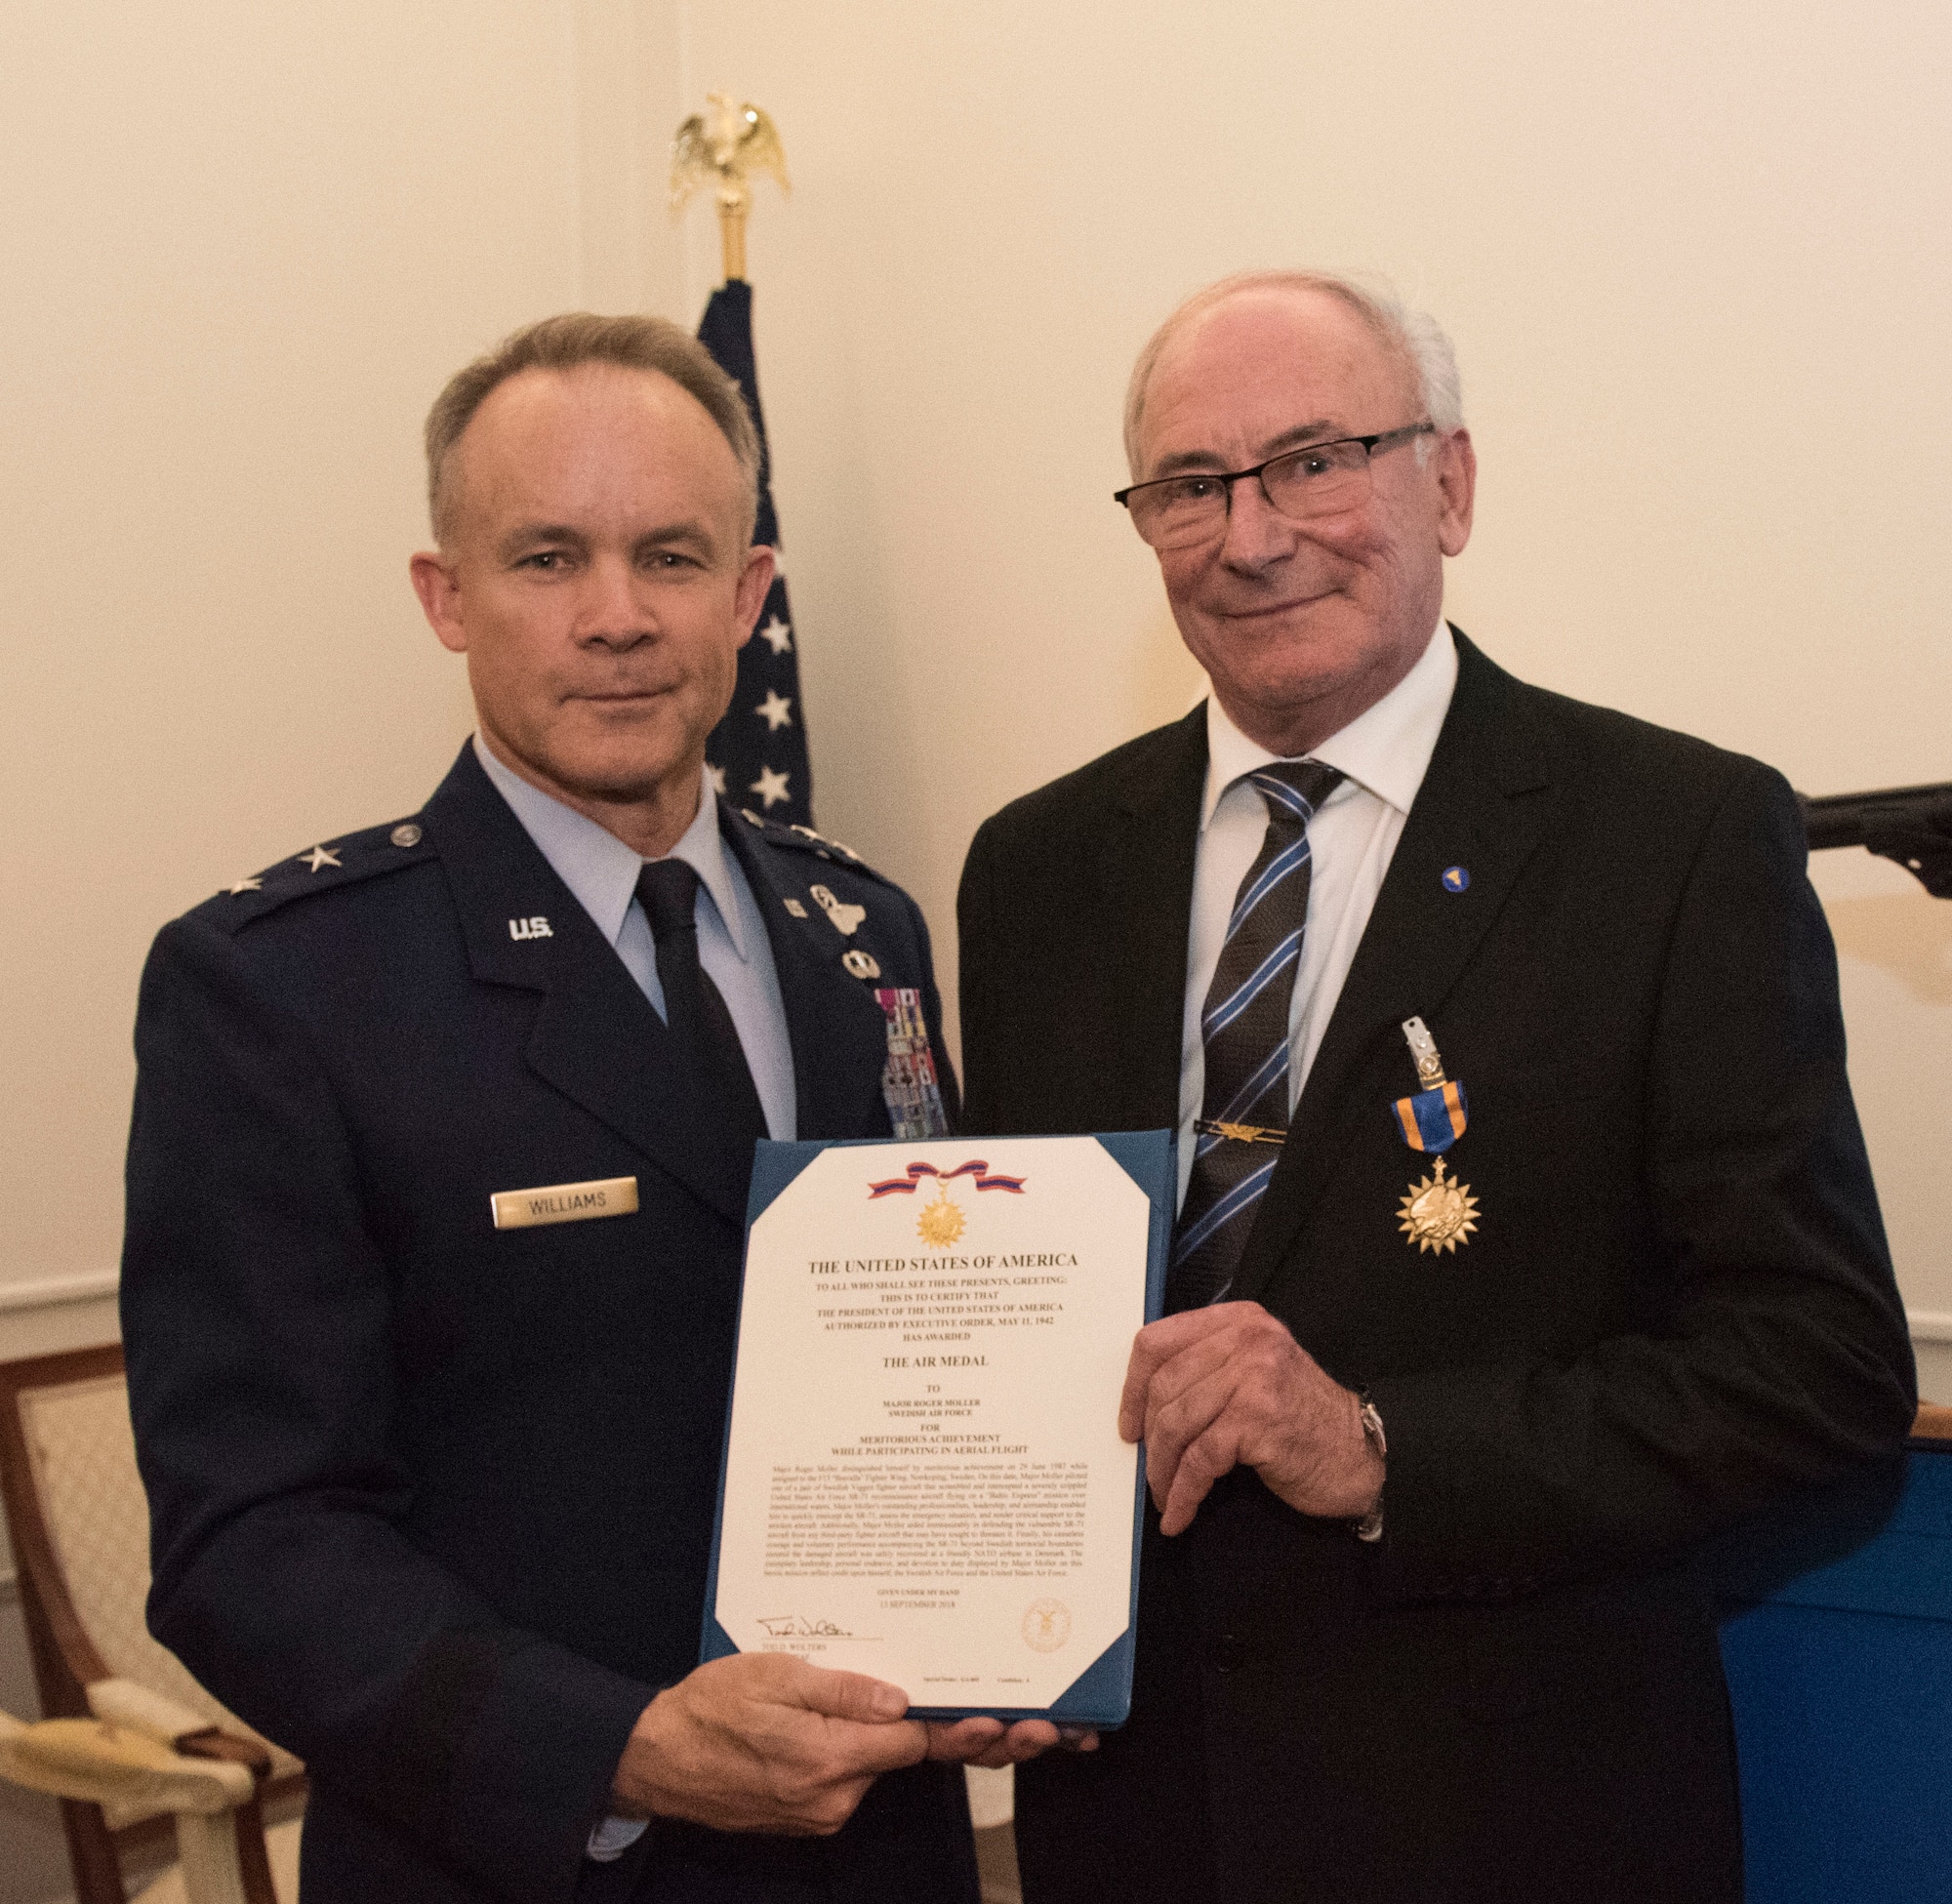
[1438, 1213]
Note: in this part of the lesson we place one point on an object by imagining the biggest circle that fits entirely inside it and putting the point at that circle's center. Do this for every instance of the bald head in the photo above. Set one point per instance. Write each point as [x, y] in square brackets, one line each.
[1411, 336]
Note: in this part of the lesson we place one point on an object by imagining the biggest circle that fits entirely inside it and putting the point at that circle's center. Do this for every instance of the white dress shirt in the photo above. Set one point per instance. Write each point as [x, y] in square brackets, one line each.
[732, 944]
[1384, 754]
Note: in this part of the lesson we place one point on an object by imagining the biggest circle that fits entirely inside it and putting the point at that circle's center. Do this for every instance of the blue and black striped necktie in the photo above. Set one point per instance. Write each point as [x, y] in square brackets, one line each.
[1245, 1032]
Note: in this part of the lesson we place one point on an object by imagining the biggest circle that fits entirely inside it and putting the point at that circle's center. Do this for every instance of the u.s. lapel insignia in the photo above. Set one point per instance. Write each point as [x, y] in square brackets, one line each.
[862, 966]
[1437, 1213]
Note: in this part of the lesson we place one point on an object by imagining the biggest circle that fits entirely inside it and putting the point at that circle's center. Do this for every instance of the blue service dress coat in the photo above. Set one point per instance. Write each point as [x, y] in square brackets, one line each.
[432, 1502]
[1677, 1307]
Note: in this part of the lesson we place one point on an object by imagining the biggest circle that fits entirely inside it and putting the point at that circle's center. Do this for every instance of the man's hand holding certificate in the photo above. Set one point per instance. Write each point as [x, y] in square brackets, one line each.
[924, 1480]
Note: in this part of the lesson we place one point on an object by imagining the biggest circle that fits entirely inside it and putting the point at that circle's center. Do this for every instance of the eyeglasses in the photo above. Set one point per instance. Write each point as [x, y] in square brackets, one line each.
[1321, 479]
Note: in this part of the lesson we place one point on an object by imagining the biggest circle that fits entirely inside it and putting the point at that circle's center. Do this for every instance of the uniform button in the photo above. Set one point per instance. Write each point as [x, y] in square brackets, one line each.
[406, 835]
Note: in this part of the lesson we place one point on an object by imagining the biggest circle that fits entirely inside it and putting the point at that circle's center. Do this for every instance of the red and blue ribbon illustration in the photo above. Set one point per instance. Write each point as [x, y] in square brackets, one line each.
[976, 1168]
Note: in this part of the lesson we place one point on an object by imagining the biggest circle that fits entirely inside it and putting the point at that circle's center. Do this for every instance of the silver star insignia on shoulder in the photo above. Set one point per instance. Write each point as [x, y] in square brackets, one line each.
[247, 886]
[821, 840]
[320, 856]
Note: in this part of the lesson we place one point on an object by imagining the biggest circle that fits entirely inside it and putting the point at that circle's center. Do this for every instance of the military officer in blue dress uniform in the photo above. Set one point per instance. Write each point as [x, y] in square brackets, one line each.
[436, 1187]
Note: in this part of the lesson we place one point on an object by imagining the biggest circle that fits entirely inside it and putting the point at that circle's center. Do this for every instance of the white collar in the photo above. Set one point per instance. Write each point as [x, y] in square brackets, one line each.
[597, 866]
[1386, 749]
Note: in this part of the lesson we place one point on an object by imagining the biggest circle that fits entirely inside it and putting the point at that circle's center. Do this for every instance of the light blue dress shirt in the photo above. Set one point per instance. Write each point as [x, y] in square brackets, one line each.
[732, 944]
[732, 947]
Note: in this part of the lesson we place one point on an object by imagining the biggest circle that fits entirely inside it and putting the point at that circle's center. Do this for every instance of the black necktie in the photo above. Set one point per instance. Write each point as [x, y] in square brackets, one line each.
[695, 1013]
[1244, 1030]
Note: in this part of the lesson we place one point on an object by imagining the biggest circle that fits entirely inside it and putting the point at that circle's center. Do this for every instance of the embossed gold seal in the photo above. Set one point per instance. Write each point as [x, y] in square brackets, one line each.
[1047, 1625]
[1438, 1213]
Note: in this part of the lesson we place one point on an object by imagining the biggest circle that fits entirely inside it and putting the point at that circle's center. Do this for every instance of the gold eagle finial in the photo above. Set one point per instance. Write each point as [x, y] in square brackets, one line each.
[725, 147]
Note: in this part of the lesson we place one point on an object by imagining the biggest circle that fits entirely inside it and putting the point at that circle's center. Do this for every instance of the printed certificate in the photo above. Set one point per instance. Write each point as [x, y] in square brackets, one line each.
[924, 1477]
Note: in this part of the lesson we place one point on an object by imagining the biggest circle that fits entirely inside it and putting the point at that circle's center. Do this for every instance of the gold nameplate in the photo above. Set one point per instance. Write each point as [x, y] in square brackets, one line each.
[523, 1209]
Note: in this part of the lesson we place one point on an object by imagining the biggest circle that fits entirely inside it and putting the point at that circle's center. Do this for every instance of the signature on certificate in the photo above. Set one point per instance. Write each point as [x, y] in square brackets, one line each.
[795, 1626]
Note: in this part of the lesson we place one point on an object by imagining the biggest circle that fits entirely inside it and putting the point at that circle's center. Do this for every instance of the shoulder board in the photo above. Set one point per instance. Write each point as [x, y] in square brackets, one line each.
[333, 862]
[804, 839]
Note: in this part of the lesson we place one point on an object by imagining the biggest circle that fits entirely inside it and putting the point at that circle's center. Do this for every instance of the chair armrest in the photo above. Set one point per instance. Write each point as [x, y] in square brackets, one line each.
[137, 1708]
[103, 1763]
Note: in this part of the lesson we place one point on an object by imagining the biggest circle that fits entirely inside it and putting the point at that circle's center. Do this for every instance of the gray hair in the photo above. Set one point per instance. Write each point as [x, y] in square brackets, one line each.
[1414, 336]
[565, 342]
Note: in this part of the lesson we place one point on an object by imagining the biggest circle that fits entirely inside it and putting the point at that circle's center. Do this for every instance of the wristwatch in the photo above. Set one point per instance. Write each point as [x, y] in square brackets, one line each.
[1371, 1527]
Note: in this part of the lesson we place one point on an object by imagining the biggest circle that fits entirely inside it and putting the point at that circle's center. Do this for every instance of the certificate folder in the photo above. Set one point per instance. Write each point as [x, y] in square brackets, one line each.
[921, 1477]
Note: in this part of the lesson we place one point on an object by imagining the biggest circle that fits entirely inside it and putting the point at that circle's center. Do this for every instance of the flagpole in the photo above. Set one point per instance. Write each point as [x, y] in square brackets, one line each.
[732, 237]
[758, 754]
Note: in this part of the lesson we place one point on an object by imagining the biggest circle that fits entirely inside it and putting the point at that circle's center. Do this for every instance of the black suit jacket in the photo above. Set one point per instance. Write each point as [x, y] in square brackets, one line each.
[431, 1501]
[1677, 1305]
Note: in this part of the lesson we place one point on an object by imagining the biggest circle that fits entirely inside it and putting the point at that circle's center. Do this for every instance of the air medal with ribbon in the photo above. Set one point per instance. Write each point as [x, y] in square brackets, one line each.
[940, 1224]
[1438, 1213]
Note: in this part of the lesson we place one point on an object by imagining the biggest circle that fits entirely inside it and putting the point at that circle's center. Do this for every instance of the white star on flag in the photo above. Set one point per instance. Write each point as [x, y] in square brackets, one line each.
[776, 710]
[770, 786]
[777, 635]
[717, 779]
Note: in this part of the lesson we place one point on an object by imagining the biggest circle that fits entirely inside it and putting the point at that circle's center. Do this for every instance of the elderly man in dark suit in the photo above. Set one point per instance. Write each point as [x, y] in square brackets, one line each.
[1527, 1235]
[436, 1189]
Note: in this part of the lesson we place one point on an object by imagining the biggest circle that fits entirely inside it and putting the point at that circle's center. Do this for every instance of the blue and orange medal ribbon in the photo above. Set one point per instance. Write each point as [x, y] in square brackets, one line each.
[1438, 1213]
[1432, 1121]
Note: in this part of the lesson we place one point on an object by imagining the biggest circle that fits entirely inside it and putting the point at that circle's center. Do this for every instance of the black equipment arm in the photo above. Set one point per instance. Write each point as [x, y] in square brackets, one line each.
[1911, 825]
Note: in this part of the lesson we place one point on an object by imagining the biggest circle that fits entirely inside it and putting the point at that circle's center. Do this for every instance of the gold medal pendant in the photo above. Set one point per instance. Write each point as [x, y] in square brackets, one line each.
[1438, 1213]
[941, 1222]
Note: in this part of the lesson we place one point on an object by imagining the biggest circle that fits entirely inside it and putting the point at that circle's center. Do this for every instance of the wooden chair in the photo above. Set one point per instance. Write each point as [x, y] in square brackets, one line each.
[1933, 1423]
[132, 1744]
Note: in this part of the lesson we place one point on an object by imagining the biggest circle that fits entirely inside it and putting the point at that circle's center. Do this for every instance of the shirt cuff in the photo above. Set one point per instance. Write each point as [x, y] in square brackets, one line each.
[614, 1837]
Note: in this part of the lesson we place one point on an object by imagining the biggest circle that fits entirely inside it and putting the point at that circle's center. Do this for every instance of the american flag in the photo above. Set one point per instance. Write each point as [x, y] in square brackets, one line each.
[757, 754]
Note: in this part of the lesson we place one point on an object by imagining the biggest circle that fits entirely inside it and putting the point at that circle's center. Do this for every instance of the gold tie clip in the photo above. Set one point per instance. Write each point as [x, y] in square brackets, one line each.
[1240, 1133]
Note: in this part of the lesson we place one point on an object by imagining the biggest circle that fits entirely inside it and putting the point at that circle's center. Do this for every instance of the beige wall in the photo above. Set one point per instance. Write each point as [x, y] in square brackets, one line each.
[1693, 258]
